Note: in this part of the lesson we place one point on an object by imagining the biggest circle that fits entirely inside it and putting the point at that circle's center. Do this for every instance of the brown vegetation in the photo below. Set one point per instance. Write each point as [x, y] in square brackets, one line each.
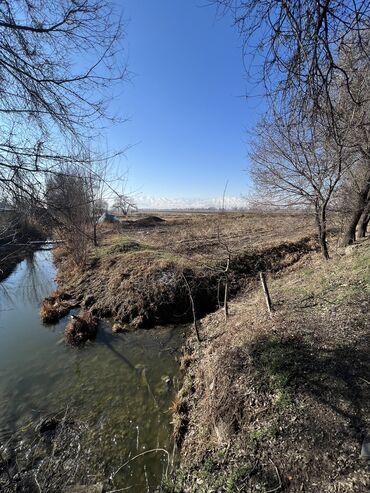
[142, 275]
[81, 328]
[283, 402]
[56, 306]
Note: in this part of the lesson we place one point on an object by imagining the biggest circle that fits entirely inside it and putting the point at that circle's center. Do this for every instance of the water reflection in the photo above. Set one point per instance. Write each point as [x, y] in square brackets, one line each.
[32, 280]
[121, 385]
[36, 282]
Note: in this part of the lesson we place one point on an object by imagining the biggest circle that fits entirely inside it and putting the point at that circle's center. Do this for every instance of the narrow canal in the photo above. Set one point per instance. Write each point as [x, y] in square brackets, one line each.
[117, 390]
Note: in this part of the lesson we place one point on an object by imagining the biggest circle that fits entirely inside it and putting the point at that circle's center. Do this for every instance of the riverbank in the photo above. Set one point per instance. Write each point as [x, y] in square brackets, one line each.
[267, 404]
[281, 403]
[148, 271]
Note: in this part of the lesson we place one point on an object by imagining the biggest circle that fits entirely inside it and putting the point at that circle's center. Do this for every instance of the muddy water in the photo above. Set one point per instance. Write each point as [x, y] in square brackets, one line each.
[120, 385]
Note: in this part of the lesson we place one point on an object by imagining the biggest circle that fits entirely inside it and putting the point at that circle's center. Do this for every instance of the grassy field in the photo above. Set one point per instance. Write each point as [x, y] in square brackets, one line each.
[205, 235]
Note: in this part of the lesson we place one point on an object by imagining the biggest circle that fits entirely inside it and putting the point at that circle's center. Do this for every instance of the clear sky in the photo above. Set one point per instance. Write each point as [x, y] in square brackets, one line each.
[188, 117]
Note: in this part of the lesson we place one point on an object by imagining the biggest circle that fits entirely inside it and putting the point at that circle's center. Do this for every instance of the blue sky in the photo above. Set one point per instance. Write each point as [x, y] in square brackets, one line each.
[188, 117]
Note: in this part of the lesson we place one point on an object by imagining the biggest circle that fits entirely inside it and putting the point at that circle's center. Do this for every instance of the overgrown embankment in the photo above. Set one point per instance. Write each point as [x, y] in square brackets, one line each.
[281, 403]
[141, 284]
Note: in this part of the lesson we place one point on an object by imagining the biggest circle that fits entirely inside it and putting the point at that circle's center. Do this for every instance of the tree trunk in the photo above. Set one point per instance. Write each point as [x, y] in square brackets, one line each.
[364, 220]
[95, 236]
[349, 235]
[321, 229]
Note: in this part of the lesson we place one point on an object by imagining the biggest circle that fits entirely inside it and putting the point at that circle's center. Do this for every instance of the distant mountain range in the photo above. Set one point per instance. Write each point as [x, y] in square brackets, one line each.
[164, 203]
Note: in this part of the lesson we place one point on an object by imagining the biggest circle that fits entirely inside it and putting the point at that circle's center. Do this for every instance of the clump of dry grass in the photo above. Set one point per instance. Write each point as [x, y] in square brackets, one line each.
[56, 306]
[185, 361]
[59, 253]
[81, 328]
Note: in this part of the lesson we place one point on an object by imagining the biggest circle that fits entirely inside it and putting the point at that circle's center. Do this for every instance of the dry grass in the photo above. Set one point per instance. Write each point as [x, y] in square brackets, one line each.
[286, 393]
[81, 328]
[56, 306]
[136, 275]
[203, 236]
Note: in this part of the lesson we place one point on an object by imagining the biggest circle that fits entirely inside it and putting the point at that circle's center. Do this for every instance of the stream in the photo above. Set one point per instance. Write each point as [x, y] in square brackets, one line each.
[120, 386]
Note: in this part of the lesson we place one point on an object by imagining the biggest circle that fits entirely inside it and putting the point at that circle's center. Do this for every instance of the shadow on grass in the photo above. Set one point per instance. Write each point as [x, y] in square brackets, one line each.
[336, 379]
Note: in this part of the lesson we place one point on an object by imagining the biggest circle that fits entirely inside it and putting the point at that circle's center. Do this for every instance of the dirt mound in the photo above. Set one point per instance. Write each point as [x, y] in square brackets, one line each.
[148, 222]
[142, 286]
[125, 246]
[143, 289]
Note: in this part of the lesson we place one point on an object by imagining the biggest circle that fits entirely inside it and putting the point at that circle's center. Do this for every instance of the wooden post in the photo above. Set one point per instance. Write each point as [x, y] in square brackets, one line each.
[266, 292]
[226, 295]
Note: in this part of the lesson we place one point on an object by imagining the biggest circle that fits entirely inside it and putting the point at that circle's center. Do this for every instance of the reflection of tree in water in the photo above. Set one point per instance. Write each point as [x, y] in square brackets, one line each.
[6, 298]
[34, 283]
[37, 281]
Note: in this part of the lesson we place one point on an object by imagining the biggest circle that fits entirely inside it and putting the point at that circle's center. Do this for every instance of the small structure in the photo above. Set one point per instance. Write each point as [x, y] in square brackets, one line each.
[106, 217]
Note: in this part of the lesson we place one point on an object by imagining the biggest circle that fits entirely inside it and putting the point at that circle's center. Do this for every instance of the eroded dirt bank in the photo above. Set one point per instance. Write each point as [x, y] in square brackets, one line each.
[142, 282]
[281, 403]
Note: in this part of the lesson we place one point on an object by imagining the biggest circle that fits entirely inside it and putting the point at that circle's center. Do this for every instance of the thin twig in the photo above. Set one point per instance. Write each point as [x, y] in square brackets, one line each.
[38, 484]
[227, 452]
[279, 478]
[192, 307]
[121, 489]
[144, 453]
[226, 306]
[366, 381]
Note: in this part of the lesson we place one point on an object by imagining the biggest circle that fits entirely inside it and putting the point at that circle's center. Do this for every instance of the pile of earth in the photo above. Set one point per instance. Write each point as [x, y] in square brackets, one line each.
[145, 222]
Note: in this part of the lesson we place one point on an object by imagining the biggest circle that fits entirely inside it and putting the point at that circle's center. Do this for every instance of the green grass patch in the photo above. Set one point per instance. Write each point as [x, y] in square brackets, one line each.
[119, 246]
[262, 434]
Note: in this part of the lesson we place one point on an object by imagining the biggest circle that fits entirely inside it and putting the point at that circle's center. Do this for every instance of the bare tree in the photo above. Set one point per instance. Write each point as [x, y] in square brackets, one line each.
[56, 61]
[297, 165]
[97, 186]
[364, 220]
[312, 55]
[354, 201]
[68, 203]
[123, 203]
[297, 43]
[354, 114]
